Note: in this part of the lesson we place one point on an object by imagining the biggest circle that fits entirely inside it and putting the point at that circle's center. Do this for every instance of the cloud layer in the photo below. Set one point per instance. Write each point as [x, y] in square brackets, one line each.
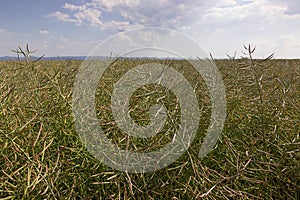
[175, 14]
[124, 15]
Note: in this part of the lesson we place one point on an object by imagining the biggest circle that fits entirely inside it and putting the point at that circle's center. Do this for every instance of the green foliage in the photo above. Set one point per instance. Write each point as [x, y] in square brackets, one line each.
[257, 157]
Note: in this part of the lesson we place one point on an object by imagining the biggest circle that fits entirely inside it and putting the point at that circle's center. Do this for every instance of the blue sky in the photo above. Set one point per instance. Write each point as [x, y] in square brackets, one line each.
[74, 27]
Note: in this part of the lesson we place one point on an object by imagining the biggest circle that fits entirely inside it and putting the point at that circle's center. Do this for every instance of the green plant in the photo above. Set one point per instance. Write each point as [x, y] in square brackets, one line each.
[257, 157]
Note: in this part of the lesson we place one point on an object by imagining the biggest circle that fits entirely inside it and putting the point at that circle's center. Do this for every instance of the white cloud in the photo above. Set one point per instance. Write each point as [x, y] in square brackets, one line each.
[120, 25]
[293, 6]
[222, 26]
[61, 16]
[89, 15]
[74, 7]
[44, 32]
[227, 3]
[81, 14]
[259, 9]
[60, 46]
[3, 31]
[109, 5]
[128, 14]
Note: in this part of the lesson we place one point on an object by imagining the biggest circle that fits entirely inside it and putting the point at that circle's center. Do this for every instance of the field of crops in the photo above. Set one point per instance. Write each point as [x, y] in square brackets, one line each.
[256, 157]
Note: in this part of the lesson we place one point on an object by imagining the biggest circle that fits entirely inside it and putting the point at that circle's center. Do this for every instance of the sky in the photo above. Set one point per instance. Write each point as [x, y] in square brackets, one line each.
[221, 27]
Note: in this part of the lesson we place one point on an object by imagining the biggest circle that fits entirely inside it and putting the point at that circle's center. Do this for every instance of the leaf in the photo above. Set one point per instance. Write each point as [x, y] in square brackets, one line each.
[41, 57]
[27, 48]
[21, 51]
[16, 51]
[253, 49]
[269, 57]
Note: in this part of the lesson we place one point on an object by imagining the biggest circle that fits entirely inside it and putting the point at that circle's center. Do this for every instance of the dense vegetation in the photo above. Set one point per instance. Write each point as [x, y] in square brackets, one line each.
[257, 156]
